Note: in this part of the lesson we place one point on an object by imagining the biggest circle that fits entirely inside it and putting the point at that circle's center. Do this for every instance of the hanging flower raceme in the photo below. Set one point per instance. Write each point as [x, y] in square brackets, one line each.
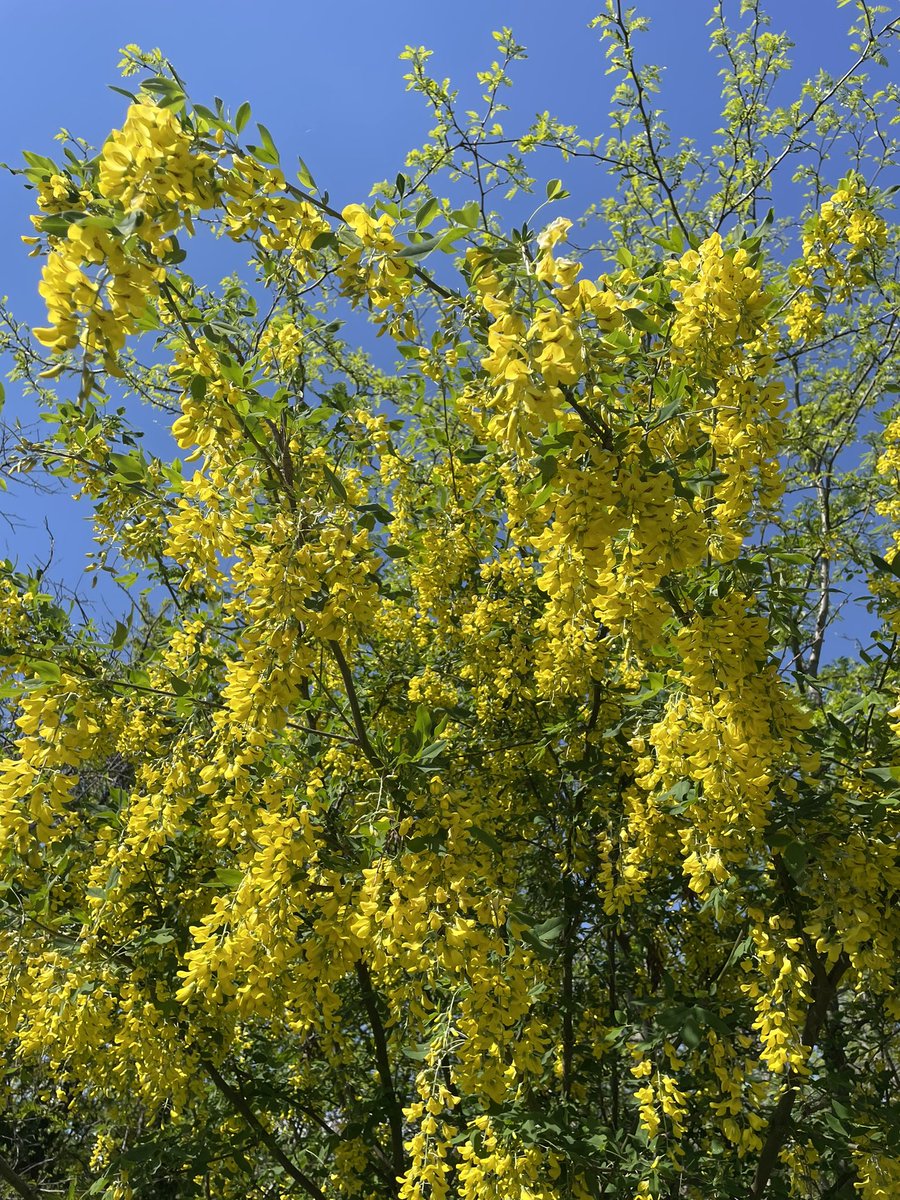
[102, 271]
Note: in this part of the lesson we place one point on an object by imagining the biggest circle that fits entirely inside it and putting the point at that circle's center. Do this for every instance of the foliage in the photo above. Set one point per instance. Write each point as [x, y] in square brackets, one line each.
[475, 808]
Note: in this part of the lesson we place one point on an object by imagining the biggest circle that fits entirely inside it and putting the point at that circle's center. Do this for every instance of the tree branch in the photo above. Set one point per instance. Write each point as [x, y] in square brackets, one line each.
[16, 1182]
[823, 496]
[383, 1063]
[359, 724]
[776, 162]
[240, 1105]
[825, 984]
[646, 121]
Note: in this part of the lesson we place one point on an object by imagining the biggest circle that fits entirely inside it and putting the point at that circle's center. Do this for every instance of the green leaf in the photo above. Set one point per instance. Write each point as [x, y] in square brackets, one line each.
[159, 85]
[378, 511]
[129, 467]
[430, 752]
[666, 413]
[417, 1053]
[539, 935]
[451, 236]
[885, 567]
[690, 1031]
[433, 842]
[683, 793]
[58, 224]
[40, 162]
[486, 839]
[334, 483]
[789, 556]
[549, 930]
[241, 117]
[303, 174]
[555, 190]
[262, 155]
[47, 672]
[427, 212]
[886, 777]
[176, 255]
[420, 249]
[267, 142]
[143, 1152]
[228, 877]
[209, 116]
[468, 215]
[131, 223]
[637, 318]
[96, 221]
[423, 720]
[795, 857]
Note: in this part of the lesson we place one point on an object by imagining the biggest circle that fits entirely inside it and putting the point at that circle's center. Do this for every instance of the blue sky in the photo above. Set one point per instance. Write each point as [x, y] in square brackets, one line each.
[325, 78]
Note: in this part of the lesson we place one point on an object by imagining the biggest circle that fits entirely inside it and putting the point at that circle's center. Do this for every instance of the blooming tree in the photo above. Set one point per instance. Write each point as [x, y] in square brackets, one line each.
[472, 807]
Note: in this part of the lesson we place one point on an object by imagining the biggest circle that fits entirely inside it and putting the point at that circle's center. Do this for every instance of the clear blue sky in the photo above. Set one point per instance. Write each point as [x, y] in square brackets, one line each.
[325, 78]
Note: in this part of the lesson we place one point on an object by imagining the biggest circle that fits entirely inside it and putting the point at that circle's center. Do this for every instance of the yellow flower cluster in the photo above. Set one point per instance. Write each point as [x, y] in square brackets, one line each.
[736, 1092]
[255, 206]
[836, 245]
[97, 284]
[371, 267]
[780, 994]
[55, 726]
[727, 727]
[882, 584]
[507, 1172]
[662, 1106]
[720, 306]
[149, 166]
[835, 240]
[530, 362]
[854, 914]
[879, 1175]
